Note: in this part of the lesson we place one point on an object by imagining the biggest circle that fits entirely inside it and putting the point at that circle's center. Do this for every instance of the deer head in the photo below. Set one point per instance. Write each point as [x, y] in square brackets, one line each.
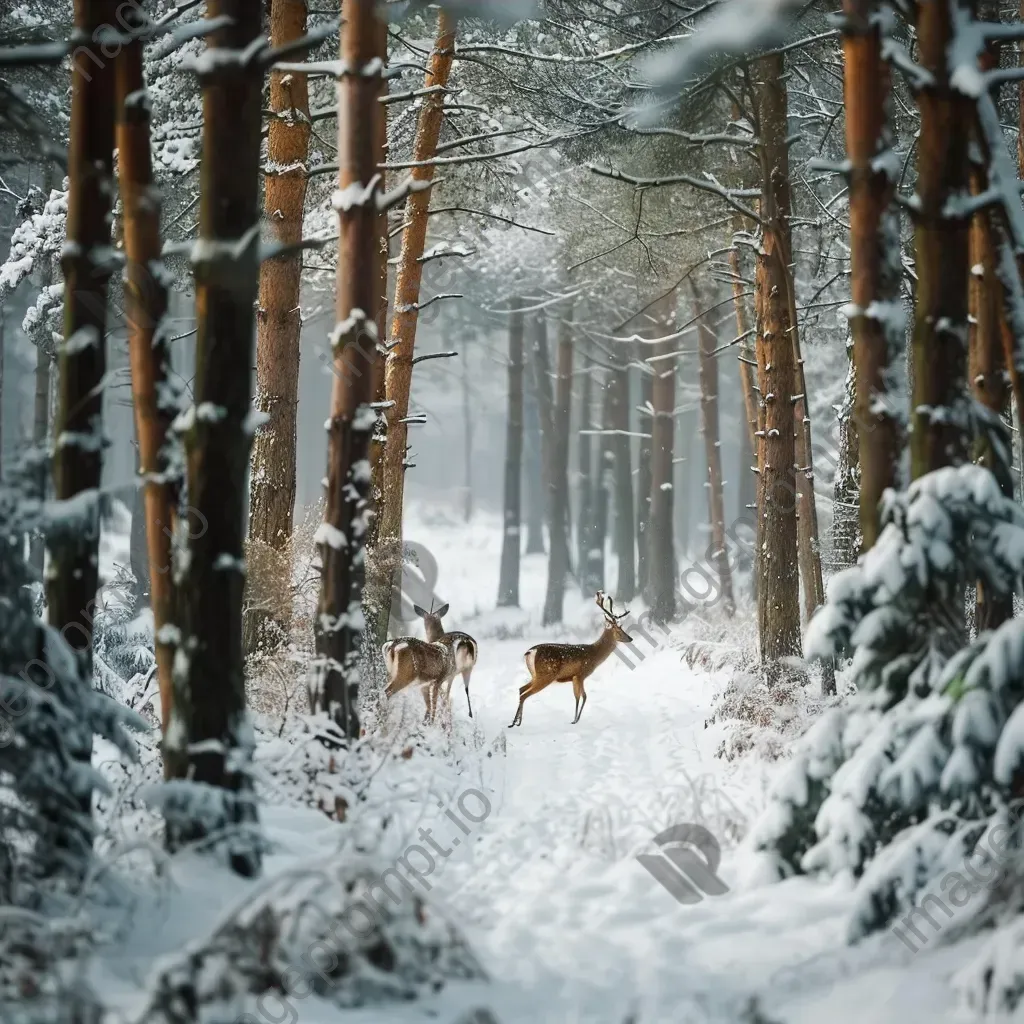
[432, 620]
[612, 620]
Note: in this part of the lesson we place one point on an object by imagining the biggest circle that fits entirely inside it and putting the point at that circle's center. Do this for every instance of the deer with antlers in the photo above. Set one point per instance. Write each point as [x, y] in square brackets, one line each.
[572, 663]
[463, 647]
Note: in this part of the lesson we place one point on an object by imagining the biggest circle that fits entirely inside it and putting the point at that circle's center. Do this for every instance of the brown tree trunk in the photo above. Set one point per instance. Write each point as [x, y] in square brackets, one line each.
[377, 596]
[874, 259]
[73, 539]
[342, 535]
[558, 493]
[398, 368]
[278, 326]
[602, 492]
[778, 580]
[846, 529]
[716, 553]
[207, 739]
[508, 582]
[940, 415]
[661, 549]
[153, 392]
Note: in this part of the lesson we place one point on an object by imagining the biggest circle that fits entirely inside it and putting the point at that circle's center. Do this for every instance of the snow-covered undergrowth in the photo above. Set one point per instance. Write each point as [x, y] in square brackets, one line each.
[449, 876]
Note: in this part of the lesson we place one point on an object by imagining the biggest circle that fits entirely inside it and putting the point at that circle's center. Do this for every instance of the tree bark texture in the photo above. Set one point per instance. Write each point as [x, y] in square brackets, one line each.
[212, 744]
[342, 536]
[508, 582]
[709, 416]
[587, 487]
[398, 367]
[73, 536]
[279, 322]
[154, 394]
[939, 403]
[878, 338]
[778, 575]
[625, 527]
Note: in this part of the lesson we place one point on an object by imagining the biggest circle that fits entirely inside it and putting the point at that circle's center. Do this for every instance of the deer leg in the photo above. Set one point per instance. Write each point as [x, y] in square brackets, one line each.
[577, 692]
[465, 679]
[527, 691]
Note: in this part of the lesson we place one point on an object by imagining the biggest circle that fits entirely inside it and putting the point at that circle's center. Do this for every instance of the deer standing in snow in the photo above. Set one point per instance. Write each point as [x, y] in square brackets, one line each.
[571, 663]
[463, 647]
[413, 662]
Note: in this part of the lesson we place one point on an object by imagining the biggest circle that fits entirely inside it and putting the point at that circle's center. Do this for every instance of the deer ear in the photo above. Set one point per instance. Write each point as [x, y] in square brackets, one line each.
[419, 611]
[442, 611]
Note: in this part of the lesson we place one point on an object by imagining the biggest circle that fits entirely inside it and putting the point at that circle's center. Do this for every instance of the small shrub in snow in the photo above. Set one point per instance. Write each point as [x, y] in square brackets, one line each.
[333, 935]
[896, 788]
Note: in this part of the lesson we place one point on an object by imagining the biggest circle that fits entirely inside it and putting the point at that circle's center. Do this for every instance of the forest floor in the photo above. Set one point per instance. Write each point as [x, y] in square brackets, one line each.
[546, 887]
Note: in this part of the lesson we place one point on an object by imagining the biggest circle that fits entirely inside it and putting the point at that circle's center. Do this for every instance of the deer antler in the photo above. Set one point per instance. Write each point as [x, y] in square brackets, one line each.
[609, 608]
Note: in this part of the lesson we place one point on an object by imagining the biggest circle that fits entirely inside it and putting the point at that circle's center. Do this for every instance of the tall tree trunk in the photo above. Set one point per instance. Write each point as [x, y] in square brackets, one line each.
[508, 583]
[41, 429]
[584, 453]
[625, 528]
[682, 464]
[378, 593]
[467, 440]
[558, 493]
[987, 367]
[709, 415]
[279, 325]
[73, 537]
[398, 367]
[846, 529]
[643, 473]
[778, 580]
[341, 537]
[661, 549]
[533, 457]
[939, 403]
[878, 340]
[154, 393]
[207, 739]
[596, 569]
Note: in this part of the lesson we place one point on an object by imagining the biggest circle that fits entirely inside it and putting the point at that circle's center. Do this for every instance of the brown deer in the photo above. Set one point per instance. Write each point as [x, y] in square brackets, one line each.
[571, 663]
[413, 662]
[463, 646]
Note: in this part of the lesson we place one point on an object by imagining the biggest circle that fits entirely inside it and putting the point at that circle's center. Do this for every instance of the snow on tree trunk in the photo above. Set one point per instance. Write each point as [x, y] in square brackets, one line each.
[622, 470]
[508, 581]
[279, 323]
[558, 501]
[939, 398]
[209, 738]
[876, 311]
[584, 455]
[712, 448]
[533, 442]
[154, 393]
[986, 360]
[341, 538]
[846, 531]
[643, 474]
[398, 367]
[73, 520]
[661, 549]
[778, 588]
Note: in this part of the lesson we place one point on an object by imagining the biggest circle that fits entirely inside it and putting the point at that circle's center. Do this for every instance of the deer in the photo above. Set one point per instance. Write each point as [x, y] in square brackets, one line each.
[463, 646]
[413, 662]
[572, 663]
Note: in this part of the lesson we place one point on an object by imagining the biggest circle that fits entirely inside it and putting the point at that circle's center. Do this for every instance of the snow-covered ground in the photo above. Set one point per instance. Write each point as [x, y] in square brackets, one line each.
[546, 887]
